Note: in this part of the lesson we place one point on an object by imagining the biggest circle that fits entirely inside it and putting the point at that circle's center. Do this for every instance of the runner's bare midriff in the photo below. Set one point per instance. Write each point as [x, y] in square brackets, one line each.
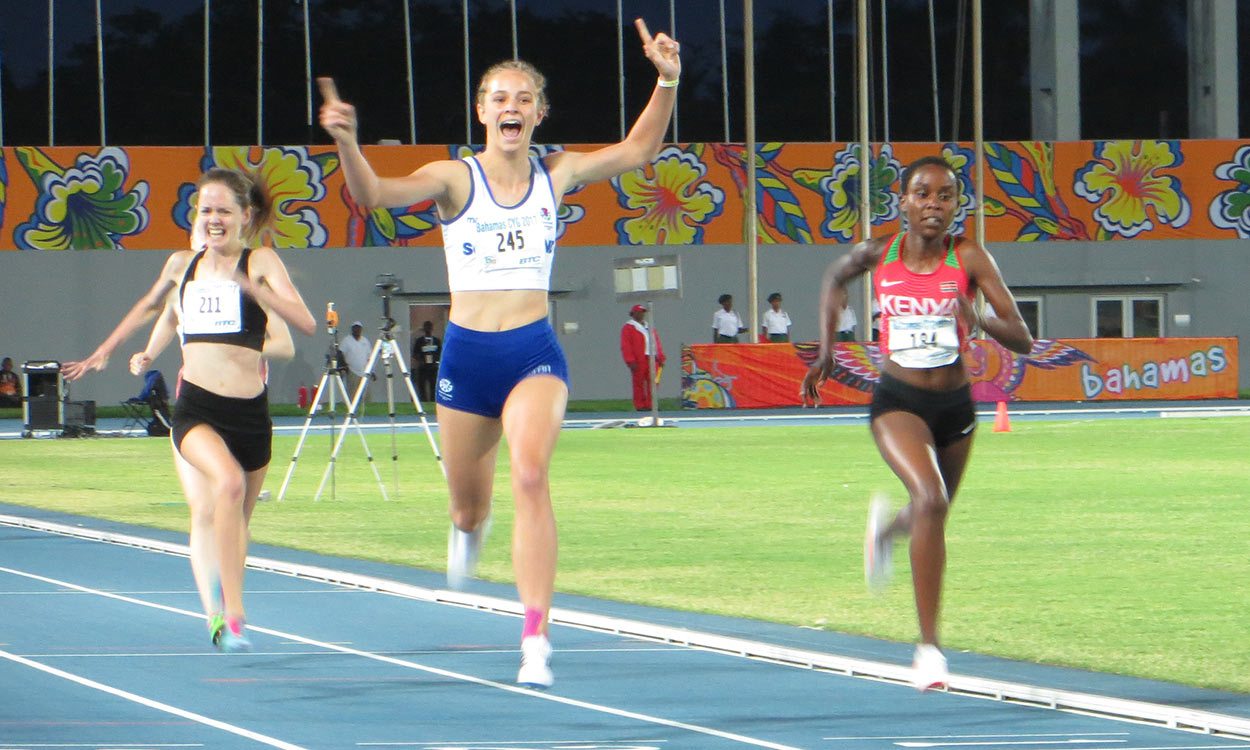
[498, 310]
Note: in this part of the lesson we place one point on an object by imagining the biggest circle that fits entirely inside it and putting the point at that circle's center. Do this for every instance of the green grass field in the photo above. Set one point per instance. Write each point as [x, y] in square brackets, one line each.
[1113, 545]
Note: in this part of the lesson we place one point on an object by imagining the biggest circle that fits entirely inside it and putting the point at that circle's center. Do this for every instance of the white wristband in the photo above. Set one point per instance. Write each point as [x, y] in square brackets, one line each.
[667, 84]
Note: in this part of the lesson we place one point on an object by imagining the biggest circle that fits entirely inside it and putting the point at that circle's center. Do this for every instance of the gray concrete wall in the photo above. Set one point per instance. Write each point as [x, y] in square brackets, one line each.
[61, 305]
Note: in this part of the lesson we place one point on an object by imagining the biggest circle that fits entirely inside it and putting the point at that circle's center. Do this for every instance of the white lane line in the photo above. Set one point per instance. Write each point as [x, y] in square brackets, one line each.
[1214, 412]
[976, 736]
[1085, 704]
[1072, 741]
[159, 706]
[391, 652]
[622, 713]
[549, 744]
[1186, 747]
[1076, 741]
[1130, 747]
[186, 592]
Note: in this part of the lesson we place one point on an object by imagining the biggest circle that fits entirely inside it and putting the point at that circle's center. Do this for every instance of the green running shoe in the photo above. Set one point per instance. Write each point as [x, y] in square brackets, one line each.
[216, 625]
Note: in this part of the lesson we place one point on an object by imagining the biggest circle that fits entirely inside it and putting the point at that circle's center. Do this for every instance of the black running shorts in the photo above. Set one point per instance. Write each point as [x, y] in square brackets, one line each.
[243, 423]
[950, 415]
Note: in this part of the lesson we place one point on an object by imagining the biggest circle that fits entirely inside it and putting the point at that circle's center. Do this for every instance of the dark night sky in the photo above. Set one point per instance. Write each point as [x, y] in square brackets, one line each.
[360, 42]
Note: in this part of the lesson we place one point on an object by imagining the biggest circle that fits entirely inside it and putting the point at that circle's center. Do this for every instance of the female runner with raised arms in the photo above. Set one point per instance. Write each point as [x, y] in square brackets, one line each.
[503, 372]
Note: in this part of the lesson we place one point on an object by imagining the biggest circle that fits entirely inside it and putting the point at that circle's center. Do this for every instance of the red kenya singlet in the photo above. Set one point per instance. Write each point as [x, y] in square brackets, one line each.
[920, 325]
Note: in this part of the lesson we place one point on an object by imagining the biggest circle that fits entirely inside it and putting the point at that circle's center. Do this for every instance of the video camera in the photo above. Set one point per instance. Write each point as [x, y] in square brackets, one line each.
[387, 284]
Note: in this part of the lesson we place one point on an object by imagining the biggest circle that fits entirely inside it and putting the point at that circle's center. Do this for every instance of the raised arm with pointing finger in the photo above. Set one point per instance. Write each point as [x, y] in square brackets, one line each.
[502, 371]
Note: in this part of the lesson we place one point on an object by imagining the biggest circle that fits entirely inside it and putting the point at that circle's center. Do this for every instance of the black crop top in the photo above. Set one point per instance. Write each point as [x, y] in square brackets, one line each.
[251, 334]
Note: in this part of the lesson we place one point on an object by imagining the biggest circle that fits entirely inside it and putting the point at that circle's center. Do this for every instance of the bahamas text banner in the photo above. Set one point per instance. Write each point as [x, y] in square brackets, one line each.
[726, 376]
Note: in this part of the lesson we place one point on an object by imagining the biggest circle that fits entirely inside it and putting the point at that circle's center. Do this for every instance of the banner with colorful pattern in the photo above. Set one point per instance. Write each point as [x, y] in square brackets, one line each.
[139, 198]
[750, 376]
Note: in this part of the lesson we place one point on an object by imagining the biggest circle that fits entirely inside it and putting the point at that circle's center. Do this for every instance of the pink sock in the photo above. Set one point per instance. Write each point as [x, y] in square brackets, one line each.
[235, 624]
[533, 623]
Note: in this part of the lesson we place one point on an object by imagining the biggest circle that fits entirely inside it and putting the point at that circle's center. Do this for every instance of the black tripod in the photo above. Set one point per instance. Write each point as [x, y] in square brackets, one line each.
[332, 383]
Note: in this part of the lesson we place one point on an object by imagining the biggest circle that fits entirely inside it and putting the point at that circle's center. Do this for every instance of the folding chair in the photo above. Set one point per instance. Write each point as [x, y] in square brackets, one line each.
[149, 409]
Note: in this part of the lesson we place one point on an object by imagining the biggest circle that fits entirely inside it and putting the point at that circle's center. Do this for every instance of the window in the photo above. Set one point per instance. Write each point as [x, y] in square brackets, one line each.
[1127, 317]
[1145, 318]
[1031, 311]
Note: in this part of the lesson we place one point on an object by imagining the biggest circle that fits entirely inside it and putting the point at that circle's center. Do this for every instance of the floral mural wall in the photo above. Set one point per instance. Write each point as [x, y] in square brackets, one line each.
[140, 198]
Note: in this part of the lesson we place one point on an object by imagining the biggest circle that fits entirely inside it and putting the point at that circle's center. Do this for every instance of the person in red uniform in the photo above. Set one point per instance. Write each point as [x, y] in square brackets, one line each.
[922, 414]
[634, 351]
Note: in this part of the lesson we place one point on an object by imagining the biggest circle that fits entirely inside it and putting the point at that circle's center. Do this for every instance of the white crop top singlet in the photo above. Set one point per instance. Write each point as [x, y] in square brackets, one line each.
[490, 247]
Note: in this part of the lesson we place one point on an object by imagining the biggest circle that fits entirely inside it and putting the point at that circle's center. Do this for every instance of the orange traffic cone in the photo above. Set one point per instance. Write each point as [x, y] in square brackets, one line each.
[1002, 423]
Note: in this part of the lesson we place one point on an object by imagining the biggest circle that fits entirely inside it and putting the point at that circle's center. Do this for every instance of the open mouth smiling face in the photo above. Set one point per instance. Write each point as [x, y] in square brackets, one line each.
[510, 103]
[511, 128]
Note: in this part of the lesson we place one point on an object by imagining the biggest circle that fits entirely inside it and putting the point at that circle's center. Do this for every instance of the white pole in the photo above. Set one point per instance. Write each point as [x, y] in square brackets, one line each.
[468, 81]
[51, 77]
[512, 11]
[885, 78]
[412, 102]
[308, 83]
[672, 31]
[724, 71]
[260, 70]
[207, 118]
[933, 75]
[833, 86]
[99, 68]
[978, 116]
[653, 349]
[978, 134]
[620, 66]
[1, 102]
[865, 156]
[748, 35]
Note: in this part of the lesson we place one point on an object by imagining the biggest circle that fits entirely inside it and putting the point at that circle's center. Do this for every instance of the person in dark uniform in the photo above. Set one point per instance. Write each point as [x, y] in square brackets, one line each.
[427, 349]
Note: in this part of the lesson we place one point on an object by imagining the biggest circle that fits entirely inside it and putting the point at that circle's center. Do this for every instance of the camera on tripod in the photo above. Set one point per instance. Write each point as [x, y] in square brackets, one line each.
[387, 284]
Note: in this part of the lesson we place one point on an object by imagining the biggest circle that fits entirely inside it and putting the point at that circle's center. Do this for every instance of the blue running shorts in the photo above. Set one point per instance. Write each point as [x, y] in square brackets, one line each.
[479, 369]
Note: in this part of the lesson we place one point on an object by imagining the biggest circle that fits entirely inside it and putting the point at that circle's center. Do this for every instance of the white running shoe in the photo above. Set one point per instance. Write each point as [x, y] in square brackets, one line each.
[878, 549]
[463, 550]
[535, 669]
[929, 668]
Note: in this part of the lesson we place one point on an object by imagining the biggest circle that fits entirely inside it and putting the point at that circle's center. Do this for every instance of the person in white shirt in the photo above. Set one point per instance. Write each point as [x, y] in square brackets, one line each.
[776, 321]
[355, 349]
[846, 322]
[726, 325]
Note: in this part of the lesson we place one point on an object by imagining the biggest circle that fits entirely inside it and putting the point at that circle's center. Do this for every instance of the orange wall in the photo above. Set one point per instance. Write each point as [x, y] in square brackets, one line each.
[137, 198]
